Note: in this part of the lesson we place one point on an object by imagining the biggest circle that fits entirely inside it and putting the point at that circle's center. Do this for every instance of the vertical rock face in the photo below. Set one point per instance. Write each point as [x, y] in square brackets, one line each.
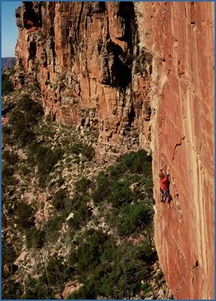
[142, 74]
[180, 37]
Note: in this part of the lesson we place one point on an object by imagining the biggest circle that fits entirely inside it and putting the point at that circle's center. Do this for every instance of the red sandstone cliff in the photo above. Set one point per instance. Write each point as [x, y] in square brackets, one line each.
[142, 74]
[182, 137]
[83, 54]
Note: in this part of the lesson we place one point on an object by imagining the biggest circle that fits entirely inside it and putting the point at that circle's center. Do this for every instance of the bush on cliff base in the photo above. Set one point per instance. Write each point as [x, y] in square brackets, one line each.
[7, 85]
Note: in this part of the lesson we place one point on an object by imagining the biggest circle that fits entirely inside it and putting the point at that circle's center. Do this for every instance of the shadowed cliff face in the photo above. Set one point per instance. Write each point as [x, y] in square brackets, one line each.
[87, 59]
[142, 74]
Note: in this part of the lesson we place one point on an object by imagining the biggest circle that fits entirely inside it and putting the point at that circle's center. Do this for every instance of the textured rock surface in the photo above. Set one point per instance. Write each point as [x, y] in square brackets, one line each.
[70, 288]
[142, 75]
[182, 137]
[84, 56]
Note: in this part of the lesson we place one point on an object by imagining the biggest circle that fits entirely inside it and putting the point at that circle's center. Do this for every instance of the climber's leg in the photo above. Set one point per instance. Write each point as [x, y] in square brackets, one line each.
[166, 195]
[162, 195]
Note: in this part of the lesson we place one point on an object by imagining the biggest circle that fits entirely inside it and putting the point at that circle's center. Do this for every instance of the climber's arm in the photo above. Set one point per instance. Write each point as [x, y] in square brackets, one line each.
[168, 175]
[168, 171]
[163, 167]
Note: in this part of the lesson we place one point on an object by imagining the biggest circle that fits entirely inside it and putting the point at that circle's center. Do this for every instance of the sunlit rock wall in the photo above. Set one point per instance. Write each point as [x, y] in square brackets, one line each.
[180, 39]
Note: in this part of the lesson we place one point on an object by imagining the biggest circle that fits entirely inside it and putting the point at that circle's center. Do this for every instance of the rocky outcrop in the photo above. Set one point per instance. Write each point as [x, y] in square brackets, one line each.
[84, 55]
[70, 288]
[142, 75]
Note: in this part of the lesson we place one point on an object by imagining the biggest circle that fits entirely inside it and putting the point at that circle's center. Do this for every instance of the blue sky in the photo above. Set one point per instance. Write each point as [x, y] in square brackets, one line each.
[9, 31]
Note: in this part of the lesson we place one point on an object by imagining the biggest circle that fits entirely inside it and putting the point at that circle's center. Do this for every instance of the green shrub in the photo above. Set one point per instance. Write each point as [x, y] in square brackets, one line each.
[55, 270]
[10, 157]
[135, 178]
[18, 121]
[35, 238]
[134, 162]
[22, 131]
[80, 148]
[37, 289]
[35, 151]
[79, 200]
[112, 218]
[137, 162]
[12, 289]
[82, 185]
[48, 160]
[88, 152]
[52, 228]
[7, 173]
[46, 130]
[59, 199]
[8, 179]
[26, 137]
[76, 148]
[45, 159]
[7, 85]
[24, 116]
[120, 194]
[52, 280]
[69, 206]
[103, 188]
[148, 182]
[24, 215]
[111, 271]
[73, 255]
[63, 203]
[7, 134]
[82, 213]
[146, 288]
[89, 254]
[122, 279]
[117, 171]
[146, 252]
[135, 218]
[32, 109]
[8, 253]
[81, 216]
[24, 170]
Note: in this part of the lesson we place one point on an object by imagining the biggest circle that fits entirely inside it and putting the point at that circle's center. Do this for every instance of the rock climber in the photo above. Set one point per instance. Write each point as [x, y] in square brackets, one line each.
[164, 185]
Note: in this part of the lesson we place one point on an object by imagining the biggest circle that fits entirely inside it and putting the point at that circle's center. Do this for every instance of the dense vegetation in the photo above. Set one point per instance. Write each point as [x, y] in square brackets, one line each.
[7, 85]
[108, 237]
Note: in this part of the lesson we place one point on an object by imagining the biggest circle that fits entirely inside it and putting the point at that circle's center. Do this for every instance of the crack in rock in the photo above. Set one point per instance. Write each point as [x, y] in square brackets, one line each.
[177, 145]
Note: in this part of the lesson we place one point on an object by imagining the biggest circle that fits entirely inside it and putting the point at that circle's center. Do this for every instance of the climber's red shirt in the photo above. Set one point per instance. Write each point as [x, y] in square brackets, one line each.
[164, 183]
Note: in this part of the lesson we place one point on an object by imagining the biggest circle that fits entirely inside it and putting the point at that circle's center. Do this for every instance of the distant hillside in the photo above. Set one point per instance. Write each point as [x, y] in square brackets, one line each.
[8, 62]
